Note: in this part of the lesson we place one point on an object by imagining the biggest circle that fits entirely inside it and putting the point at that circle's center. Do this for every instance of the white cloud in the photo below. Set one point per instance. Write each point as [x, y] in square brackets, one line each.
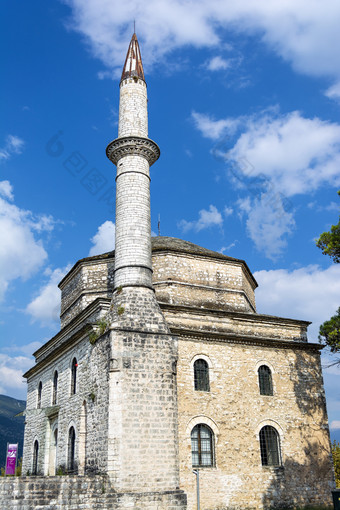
[335, 424]
[13, 145]
[333, 92]
[275, 157]
[268, 224]
[206, 219]
[296, 153]
[21, 253]
[11, 370]
[229, 247]
[30, 348]
[228, 211]
[332, 206]
[217, 63]
[309, 293]
[211, 128]
[23, 349]
[304, 33]
[6, 190]
[45, 307]
[104, 240]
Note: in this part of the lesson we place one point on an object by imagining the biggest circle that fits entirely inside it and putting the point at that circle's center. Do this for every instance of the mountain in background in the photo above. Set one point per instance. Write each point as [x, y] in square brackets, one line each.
[11, 427]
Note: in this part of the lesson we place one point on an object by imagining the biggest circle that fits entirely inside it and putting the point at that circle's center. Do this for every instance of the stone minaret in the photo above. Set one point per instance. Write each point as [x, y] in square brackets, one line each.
[133, 153]
[142, 434]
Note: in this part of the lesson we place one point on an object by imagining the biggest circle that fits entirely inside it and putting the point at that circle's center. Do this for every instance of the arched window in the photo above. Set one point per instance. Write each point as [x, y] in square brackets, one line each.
[201, 375]
[265, 380]
[270, 446]
[202, 446]
[55, 388]
[35, 457]
[71, 449]
[74, 376]
[39, 395]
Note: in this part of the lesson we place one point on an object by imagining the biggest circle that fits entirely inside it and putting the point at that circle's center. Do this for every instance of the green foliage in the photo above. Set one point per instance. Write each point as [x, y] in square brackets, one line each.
[93, 337]
[92, 396]
[61, 471]
[103, 325]
[336, 460]
[18, 468]
[329, 242]
[119, 289]
[2, 471]
[120, 310]
[329, 332]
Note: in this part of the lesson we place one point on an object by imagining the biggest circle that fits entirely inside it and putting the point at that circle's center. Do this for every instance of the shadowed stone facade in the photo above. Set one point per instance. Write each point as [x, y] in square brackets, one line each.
[162, 365]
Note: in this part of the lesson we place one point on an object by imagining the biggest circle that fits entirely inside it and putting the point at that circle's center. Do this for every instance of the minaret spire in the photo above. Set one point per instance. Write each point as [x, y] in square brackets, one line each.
[133, 66]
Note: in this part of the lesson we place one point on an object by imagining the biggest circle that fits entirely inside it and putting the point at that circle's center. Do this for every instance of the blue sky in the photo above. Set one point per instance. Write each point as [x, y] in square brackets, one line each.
[244, 102]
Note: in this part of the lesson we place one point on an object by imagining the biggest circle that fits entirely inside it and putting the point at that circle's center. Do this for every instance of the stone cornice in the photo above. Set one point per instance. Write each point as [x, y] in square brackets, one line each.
[252, 317]
[167, 283]
[208, 336]
[133, 146]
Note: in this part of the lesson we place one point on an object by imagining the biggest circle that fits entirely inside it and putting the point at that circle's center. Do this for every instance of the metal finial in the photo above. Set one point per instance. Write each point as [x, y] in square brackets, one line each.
[134, 26]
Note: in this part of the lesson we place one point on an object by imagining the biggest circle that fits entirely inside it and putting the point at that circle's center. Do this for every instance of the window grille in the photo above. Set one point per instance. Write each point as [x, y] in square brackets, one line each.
[39, 395]
[71, 449]
[35, 458]
[201, 375]
[74, 376]
[55, 388]
[202, 446]
[270, 447]
[265, 380]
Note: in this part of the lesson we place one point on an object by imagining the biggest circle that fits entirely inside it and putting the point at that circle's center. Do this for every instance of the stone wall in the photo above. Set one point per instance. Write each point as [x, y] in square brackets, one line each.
[212, 282]
[235, 412]
[90, 279]
[86, 410]
[185, 279]
[143, 445]
[82, 492]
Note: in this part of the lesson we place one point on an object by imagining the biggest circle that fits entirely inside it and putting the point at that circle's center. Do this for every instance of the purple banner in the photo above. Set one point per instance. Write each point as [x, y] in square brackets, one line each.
[11, 458]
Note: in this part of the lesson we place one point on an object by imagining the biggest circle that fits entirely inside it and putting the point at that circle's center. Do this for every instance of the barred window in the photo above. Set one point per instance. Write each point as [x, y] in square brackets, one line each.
[74, 376]
[35, 457]
[270, 446]
[55, 388]
[71, 450]
[39, 395]
[202, 446]
[265, 380]
[201, 375]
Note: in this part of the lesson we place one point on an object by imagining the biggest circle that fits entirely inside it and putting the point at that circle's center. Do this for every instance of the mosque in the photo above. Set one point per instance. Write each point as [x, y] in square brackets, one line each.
[163, 373]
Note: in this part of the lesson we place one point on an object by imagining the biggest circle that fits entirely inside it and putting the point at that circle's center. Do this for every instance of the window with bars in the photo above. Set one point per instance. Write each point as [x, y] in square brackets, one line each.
[55, 388]
[39, 395]
[202, 446]
[265, 380]
[74, 376]
[35, 457]
[270, 446]
[201, 375]
[71, 450]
